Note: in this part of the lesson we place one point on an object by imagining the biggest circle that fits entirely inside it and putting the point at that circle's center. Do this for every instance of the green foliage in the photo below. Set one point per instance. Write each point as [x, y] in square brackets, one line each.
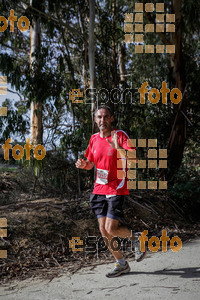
[187, 185]
[15, 122]
[186, 190]
[186, 182]
[34, 164]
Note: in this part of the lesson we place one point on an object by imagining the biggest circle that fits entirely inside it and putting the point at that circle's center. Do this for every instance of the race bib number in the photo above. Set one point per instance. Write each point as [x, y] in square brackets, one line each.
[102, 176]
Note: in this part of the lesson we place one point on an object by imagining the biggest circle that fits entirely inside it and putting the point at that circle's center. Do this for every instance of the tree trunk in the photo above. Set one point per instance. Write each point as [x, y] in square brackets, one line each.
[122, 84]
[122, 66]
[84, 72]
[178, 135]
[36, 126]
[91, 55]
[85, 51]
[114, 54]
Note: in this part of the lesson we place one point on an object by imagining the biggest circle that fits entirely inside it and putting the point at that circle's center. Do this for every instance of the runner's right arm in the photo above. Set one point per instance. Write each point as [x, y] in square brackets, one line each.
[84, 164]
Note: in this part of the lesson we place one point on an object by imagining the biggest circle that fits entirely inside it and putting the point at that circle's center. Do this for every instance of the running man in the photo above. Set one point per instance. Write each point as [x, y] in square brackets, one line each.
[107, 198]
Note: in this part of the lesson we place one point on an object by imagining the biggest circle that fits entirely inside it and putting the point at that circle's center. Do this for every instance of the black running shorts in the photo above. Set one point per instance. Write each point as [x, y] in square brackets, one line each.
[111, 207]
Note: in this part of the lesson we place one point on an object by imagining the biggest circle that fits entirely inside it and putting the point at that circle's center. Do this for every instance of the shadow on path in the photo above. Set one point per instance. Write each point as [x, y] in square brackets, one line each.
[183, 272]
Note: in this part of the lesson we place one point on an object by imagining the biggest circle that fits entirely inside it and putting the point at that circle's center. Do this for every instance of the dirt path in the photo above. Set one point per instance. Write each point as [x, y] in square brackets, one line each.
[159, 276]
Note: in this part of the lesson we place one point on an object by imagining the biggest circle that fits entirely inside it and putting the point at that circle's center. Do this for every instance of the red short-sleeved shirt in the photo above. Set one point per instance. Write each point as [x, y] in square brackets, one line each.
[105, 158]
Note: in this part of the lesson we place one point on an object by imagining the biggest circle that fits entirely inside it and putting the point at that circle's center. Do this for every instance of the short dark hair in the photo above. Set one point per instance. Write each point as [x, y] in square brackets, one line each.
[104, 107]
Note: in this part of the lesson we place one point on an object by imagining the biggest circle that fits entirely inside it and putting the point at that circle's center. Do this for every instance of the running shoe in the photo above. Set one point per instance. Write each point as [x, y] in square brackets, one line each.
[139, 255]
[118, 270]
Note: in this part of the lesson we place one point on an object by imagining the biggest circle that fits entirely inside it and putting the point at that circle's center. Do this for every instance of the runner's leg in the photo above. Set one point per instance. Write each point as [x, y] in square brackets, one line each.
[112, 228]
[114, 212]
[102, 221]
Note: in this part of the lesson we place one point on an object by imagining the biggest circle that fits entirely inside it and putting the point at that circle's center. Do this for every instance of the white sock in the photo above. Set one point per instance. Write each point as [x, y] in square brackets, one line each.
[121, 261]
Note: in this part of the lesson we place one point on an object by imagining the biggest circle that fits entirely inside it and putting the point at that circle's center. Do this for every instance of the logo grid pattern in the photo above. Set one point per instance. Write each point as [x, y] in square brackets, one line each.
[3, 233]
[75, 241]
[139, 27]
[3, 91]
[75, 93]
[156, 159]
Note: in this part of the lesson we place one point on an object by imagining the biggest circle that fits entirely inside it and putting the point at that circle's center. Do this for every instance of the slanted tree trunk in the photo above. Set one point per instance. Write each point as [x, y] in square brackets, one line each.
[36, 126]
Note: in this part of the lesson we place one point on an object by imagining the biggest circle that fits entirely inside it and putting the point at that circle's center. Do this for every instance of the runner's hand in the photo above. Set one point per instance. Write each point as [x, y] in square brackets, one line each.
[81, 163]
[114, 142]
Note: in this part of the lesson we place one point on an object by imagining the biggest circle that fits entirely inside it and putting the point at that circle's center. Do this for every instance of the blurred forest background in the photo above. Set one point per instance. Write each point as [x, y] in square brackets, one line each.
[80, 44]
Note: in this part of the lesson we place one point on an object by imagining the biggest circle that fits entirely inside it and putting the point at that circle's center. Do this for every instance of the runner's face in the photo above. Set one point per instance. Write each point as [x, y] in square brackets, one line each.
[103, 120]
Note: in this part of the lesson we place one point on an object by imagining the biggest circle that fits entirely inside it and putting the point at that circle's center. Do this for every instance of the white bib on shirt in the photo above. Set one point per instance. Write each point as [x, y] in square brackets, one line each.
[102, 176]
